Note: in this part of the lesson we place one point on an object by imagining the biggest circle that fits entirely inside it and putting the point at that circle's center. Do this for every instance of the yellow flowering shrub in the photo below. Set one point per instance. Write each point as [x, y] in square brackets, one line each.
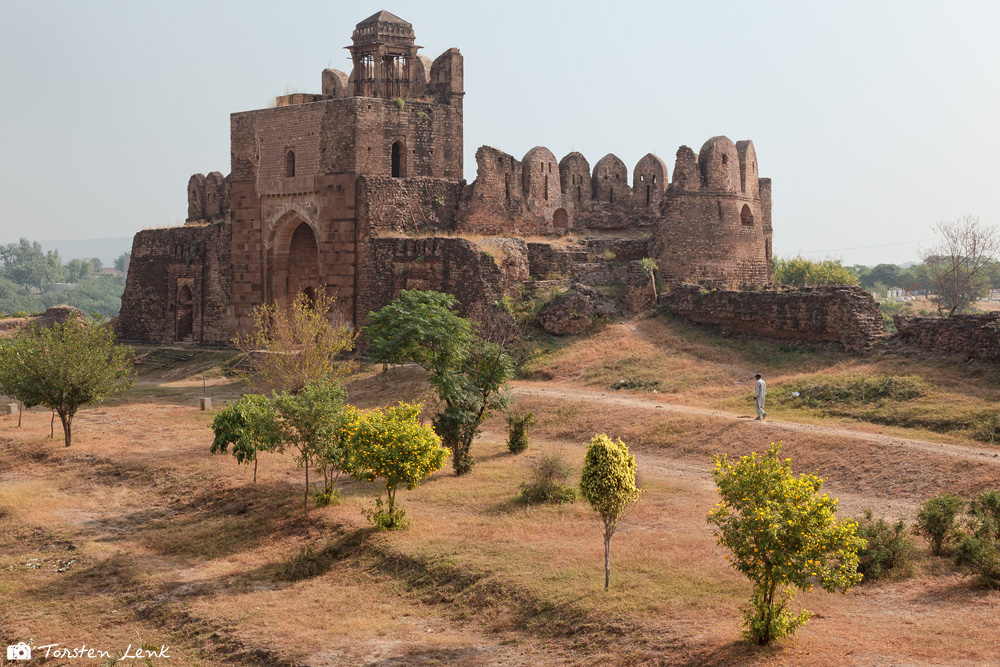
[783, 536]
[392, 445]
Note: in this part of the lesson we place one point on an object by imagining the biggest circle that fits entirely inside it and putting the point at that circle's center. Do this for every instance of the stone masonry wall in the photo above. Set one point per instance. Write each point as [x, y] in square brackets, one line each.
[451, 265]
[975, 336]
[547, 261]
[179, 286]
[845, 315]
[407, 205]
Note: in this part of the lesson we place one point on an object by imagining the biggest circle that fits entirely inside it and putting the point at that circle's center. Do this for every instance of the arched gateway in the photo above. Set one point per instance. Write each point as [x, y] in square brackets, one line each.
[293, 261]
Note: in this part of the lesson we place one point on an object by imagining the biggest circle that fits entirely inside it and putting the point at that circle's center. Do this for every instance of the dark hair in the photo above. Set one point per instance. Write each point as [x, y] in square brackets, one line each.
[758, 375]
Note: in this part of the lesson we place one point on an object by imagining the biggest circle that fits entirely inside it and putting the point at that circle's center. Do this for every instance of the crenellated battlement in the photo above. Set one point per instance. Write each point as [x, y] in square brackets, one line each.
[319, 182]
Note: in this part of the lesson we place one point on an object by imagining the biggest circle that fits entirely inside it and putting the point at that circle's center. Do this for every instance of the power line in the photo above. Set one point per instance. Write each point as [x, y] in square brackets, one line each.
[864, 247]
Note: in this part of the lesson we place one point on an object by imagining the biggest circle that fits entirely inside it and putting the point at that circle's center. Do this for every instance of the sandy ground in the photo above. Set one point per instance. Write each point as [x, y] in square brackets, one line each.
[170, 545]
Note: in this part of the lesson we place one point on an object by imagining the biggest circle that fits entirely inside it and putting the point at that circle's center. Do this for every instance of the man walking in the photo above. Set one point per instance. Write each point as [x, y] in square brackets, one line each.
[759, 392]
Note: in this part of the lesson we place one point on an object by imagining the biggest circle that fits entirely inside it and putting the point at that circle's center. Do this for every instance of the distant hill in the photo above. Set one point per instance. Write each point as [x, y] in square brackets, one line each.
[104, 249]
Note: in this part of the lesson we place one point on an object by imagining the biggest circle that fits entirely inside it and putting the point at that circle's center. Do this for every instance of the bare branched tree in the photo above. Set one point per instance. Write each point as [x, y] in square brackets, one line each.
[296, 344]
[959, 263]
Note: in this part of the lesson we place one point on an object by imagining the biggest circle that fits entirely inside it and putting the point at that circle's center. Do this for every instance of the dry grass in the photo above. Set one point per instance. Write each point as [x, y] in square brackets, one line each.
[171, 545]
[698, 366]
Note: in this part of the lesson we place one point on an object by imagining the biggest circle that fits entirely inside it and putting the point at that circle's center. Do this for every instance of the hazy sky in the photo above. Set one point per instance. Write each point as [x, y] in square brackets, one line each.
[874, 119]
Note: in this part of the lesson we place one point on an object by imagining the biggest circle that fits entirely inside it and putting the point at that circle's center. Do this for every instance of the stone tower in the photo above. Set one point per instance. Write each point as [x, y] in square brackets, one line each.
[384, 54]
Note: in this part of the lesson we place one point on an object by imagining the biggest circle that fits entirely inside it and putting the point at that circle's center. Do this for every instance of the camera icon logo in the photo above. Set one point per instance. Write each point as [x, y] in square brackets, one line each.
[19, 651]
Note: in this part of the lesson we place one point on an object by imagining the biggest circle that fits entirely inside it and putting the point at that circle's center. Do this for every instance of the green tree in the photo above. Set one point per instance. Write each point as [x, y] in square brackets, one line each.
[297, 344]
[77, 270]
[888, 274]
[649, 268]
[312, 422]
[250, 426]
[783, 535]
[799, 272]
[25, 264]
[121, 259]
[101, 294]
[861, 272]
[64, 367]
[392, 445]
[608, 484]
[469, 373]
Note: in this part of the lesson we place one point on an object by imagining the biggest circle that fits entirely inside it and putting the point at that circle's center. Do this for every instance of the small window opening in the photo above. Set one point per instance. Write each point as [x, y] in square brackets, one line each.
[397, 160]
[719, 205]
[290, 164]
[649, 190]
[546, 187]
[579, 193]
[725, 159]
[746, 215]
[611, 196]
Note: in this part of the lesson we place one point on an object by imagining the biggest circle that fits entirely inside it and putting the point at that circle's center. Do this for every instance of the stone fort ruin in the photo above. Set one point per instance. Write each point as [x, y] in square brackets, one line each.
[359, 190]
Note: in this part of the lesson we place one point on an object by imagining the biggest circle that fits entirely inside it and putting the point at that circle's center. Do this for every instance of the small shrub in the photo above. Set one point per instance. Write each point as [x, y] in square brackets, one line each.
[636, 384]
[423, 115]
[385, 516]
[439, 200]
[987, 427]
[936, 520]
[889, 551]
[979, 551]
[517, 431]
[21, 313]
[857, 389]
[400, 103]
[984, 515]
[981, 557]
[324, 498]
[608, 256]
[547, 483]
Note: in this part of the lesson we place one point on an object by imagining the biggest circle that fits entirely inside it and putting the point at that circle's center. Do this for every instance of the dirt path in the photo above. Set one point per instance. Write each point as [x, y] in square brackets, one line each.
[550, 390]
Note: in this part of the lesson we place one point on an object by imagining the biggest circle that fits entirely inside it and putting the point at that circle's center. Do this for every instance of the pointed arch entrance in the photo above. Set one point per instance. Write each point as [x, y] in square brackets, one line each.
[293, 261]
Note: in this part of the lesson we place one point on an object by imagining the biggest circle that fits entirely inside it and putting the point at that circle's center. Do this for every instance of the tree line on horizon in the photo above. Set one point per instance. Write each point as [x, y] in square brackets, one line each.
[959, 270]
[25, 270]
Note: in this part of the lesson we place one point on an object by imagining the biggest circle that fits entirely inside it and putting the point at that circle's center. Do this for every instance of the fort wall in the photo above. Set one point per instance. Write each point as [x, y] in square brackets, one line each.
[845, 315]
[451, 265]
[322, 185]
[179, 286]
[974, 336]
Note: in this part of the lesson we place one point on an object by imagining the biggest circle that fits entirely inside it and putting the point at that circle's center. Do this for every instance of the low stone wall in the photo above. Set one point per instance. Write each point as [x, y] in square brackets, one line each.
[833, 314]
[547, 261]
[624, 249]
[975, 336]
